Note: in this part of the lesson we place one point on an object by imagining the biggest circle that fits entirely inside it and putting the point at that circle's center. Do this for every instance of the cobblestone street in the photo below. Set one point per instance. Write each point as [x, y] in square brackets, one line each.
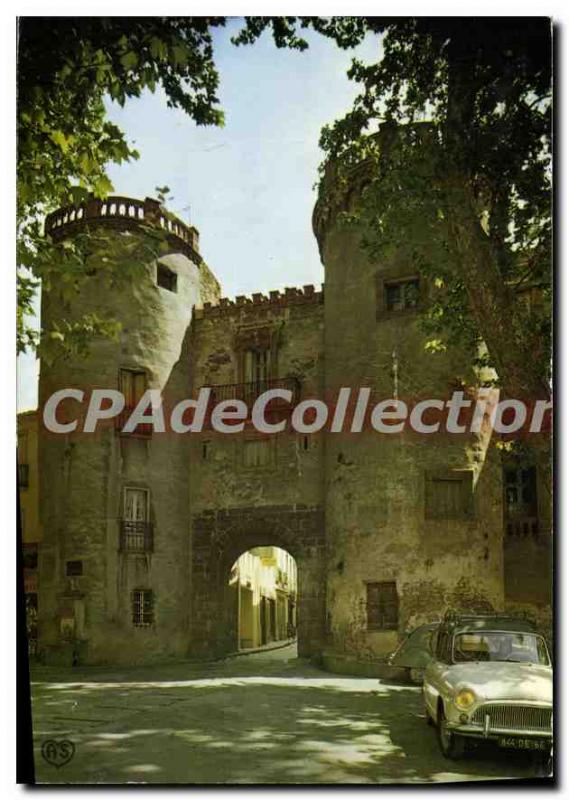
[261, 718]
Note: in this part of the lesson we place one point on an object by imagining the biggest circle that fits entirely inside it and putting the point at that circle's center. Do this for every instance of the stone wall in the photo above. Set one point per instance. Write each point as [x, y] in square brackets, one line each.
[376, 524]
[235, 506]
[83, 477]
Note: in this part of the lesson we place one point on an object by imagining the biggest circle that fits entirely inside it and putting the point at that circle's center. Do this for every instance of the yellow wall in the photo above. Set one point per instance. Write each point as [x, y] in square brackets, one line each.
[28, 454]
[269, 573]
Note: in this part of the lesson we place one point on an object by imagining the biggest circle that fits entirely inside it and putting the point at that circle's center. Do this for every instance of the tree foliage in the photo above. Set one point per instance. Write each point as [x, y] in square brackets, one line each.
[475, 216]
[67, 66]
[475, 213]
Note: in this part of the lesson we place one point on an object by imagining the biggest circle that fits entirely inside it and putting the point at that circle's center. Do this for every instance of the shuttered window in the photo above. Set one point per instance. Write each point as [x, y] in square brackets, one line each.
[382, 606]
[256, 366]
[256, 453]
[449, 495]
[132, 384]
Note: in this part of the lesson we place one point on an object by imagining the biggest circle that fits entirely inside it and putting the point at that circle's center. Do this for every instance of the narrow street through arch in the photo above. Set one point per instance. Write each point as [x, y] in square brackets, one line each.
[268, 717]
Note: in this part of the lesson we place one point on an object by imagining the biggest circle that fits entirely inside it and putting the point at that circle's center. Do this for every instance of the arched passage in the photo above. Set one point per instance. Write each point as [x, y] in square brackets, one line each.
[219, 538]
[261, 598]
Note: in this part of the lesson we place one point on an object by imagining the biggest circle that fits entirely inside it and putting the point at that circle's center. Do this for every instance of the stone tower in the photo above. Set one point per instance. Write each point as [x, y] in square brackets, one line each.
[115, 508]
[413, 522]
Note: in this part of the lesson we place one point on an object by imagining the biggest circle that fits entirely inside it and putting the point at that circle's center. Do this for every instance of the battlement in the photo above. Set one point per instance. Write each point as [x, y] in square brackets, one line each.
[124, 213]
[308, 295]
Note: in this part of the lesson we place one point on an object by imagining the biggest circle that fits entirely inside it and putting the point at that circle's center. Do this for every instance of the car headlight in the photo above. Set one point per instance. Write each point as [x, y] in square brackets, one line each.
[464, 699]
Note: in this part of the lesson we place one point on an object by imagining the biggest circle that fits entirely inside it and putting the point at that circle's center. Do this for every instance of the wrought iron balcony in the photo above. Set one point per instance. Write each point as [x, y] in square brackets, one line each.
[249, 392]
[522, 527]
[23, 475]
[136, 536]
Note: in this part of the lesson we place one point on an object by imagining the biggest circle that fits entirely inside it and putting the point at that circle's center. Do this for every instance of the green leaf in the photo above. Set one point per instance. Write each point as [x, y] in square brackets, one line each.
[129, 60]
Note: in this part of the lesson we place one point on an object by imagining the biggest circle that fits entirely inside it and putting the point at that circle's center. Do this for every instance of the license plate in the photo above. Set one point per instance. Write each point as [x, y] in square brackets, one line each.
[516, 743]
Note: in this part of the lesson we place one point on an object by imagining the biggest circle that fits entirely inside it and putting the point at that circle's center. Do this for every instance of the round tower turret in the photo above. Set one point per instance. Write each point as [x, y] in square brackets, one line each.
[115, 508]
[413, 522]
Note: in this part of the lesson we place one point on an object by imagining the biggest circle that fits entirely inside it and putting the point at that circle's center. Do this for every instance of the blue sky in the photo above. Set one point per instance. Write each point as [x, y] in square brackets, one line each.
[249, 185]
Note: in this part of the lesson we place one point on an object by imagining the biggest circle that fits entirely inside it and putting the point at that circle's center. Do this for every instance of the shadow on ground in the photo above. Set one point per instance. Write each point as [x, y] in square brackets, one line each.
[244, 722]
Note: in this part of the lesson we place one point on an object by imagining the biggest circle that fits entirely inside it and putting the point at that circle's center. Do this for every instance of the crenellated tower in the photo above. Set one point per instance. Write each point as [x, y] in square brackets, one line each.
[115, 507]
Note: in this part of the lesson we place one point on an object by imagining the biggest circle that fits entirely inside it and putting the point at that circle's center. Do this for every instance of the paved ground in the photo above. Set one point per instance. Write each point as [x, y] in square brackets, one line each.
[262, 718]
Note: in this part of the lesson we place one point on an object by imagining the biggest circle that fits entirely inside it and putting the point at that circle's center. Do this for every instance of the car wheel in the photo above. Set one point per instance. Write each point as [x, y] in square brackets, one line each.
[451, 744]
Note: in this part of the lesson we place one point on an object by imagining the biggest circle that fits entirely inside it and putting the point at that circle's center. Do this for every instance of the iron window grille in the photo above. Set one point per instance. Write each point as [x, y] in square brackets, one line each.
[142, 607]
[136, 536]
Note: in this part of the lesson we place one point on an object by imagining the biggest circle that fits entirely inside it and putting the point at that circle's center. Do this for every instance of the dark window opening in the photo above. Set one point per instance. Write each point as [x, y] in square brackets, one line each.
[30, 556]
[402, 295]
[142, 607]
[74, 569]
[520, 501]
[23, 475]
[166, 278]
[382, 606]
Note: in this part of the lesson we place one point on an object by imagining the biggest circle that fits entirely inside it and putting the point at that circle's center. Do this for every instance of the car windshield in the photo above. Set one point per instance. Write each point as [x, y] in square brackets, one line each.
[500, 646]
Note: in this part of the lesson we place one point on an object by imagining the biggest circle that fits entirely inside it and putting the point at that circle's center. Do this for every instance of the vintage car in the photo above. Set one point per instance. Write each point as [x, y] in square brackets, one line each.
[414, 652]
[490, 678]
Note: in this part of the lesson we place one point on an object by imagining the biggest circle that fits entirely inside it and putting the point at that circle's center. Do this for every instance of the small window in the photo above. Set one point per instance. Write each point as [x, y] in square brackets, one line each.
[401, 295]
[30, 556]
[23, 476]
[449, 496]
[382, 606]
[256, 453]
[520, 501]
[520, 491]
[166, 278]
[74, 569]
[142, 607]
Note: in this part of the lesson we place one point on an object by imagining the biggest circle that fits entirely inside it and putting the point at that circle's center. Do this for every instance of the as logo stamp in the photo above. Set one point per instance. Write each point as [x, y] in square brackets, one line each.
[58, 753]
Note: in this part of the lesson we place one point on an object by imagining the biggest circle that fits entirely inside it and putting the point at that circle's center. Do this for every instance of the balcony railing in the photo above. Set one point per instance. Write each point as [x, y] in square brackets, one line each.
[144, 429]
[23, 475]
[136, 536]
[122, 212]
[249, 392]
[522, 527]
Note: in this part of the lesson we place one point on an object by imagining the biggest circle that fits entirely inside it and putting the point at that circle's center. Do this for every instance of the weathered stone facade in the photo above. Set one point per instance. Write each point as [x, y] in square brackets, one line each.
[350, 508]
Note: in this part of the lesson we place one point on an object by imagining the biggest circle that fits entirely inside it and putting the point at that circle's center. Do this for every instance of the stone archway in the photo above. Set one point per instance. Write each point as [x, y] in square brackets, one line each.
[220, 537]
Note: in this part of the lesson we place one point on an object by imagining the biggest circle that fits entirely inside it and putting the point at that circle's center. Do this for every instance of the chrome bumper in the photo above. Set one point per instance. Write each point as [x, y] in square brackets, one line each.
[479, 732]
